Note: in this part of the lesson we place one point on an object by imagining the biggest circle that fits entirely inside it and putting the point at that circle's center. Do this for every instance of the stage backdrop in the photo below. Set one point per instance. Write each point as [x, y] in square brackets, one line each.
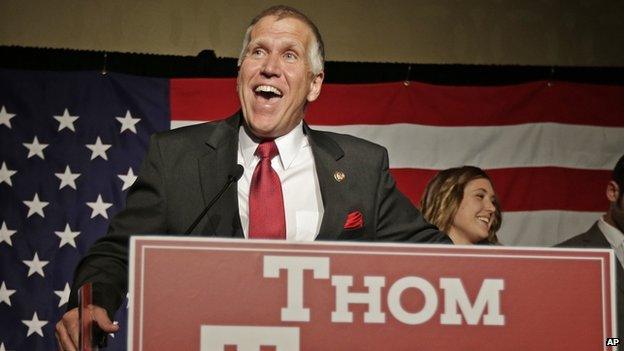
[71, 144]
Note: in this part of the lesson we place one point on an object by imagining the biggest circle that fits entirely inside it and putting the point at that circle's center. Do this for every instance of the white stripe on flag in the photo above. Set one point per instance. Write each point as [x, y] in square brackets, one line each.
[181, 123]
[543, 228]
[525, 145]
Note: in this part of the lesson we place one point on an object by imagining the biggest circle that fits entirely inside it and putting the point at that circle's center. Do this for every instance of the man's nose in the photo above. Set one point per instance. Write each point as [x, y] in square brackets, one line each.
[271, 66]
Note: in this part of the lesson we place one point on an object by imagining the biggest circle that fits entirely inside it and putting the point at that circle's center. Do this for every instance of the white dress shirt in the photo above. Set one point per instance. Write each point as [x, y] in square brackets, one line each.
[615, 238]
[300, 187]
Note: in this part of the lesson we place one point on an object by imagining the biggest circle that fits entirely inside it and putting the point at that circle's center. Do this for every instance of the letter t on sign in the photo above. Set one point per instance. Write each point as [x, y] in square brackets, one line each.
[295, 265]
[248, 338]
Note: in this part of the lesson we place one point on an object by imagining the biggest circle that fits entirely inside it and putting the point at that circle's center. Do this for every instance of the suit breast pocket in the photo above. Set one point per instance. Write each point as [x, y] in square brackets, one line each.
[357, 234]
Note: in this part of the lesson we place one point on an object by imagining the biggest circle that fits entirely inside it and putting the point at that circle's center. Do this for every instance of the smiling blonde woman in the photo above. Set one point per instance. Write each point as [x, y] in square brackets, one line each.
[462, 203]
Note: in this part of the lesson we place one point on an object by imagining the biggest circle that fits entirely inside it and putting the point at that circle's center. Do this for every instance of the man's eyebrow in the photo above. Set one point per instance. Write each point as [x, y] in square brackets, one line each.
[287, 43]
[255, 42]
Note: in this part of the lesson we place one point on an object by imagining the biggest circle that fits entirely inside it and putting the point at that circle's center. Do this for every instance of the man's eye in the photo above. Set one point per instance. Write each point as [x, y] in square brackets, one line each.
[257, 52]
[290, 56]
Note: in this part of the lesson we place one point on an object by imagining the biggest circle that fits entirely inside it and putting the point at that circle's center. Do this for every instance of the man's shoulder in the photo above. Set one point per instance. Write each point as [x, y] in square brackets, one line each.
[591, 238]
[347, 141]
[196, 129]
[194, 140]
[579, 240]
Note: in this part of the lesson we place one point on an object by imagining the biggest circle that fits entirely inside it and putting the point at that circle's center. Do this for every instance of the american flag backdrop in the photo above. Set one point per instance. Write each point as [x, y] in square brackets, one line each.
[548, 146]
[71, 143]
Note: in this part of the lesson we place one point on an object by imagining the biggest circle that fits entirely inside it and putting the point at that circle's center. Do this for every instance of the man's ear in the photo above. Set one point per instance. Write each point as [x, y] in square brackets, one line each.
[613, 191]
[315, 86]
[238, 78]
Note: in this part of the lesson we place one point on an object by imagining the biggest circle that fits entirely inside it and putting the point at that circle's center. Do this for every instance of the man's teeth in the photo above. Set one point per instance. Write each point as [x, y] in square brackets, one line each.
[268, 89]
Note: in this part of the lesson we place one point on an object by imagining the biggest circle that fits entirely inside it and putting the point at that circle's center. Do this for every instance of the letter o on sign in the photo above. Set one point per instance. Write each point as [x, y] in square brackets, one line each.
[394, 300]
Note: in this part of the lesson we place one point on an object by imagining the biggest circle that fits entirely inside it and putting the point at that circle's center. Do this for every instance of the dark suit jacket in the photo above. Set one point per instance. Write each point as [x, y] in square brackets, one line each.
[184, 169]
[593, 238]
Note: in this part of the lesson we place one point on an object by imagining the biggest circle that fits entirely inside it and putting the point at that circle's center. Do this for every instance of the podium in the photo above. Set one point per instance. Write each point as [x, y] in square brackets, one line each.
[257, 295]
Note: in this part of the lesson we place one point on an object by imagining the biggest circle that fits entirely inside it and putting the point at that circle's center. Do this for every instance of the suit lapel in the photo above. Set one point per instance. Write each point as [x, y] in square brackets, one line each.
[214, 166]
[326, 155]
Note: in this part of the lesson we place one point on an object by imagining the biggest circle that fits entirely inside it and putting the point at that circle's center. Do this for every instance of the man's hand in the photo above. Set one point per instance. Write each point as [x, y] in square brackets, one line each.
[68, 327]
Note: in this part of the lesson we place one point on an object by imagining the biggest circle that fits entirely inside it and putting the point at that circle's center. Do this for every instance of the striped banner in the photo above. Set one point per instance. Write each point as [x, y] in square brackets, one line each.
[548, 146]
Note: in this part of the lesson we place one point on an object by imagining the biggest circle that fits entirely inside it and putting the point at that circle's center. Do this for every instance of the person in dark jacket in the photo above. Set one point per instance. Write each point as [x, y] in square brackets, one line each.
[608, 232]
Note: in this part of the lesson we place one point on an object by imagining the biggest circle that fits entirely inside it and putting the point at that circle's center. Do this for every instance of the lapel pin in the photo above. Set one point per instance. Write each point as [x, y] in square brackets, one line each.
[339, 176]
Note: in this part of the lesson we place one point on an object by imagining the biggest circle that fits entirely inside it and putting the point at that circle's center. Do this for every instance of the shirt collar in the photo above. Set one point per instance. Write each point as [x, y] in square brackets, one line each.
[614, 236]
[288, 146]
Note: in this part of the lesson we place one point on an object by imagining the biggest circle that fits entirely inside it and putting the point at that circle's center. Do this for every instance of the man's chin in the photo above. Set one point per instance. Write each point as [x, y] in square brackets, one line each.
[261, 124]
[263, 131]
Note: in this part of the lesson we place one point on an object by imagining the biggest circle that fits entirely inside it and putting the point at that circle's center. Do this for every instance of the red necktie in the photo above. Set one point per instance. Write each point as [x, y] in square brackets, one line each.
[266, 204]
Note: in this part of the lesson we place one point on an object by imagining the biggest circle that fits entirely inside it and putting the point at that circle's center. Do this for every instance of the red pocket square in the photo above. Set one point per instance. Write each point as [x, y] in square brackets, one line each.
[354, 220]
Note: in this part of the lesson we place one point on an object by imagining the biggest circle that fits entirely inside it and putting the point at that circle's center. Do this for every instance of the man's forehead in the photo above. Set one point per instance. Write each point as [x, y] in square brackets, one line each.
[287, 24]
[284, 43]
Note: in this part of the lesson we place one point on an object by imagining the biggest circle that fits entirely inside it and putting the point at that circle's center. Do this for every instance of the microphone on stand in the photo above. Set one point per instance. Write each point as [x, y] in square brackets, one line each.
[233, 177]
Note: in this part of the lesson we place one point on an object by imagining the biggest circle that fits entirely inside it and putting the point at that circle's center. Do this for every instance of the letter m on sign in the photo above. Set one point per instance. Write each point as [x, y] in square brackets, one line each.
[455, 298]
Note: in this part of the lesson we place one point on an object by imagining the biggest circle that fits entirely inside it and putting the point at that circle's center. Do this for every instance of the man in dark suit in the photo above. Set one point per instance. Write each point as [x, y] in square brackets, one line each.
[608, 232]
[329, 186]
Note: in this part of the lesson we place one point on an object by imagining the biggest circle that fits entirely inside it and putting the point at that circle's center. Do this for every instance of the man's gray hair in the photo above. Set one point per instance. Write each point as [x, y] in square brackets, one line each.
[316, 51]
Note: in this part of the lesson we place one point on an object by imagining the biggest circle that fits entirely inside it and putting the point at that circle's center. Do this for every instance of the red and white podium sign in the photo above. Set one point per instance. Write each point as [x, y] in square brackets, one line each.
[255, 295]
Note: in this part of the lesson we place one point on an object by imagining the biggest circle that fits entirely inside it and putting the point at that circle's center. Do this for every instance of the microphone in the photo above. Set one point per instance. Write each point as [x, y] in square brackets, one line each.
[233, 177]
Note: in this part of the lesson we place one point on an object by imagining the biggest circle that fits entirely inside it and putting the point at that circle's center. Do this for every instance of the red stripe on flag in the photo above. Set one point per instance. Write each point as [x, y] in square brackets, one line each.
[339, 104]
[528, 189]
[462, 106]
[202, 99]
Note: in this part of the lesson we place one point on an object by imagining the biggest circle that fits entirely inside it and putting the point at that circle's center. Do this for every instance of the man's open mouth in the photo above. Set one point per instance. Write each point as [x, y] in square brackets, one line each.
[268, 92]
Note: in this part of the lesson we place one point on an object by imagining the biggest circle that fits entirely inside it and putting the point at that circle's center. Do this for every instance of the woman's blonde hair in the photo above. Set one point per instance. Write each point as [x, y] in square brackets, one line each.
[444, 194]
